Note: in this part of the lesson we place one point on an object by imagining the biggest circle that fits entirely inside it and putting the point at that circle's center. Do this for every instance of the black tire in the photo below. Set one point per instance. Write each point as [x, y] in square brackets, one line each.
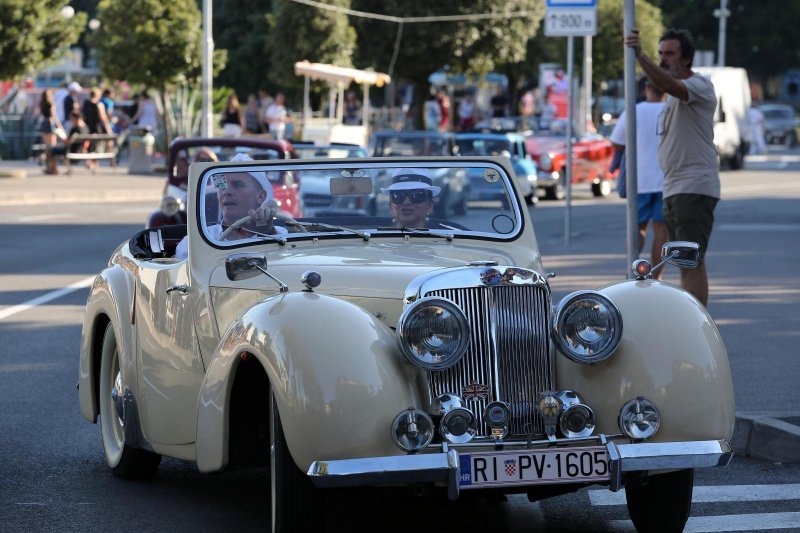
[736, 162]
[125, 462]
[601, 189]
[661, 505]
[297, 505]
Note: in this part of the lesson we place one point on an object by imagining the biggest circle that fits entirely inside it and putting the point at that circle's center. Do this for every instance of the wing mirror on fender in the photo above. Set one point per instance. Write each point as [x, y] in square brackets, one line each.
[246, 266]
[682, 254]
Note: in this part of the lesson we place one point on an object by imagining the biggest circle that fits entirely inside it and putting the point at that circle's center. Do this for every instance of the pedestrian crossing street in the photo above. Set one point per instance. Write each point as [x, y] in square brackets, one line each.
[708, 522]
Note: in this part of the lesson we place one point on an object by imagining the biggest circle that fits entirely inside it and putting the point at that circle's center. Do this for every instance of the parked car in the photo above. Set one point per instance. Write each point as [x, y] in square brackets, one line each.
[511, 145]
[591, 158]
[185, 151]
[360, 350]
[314, 190]
[780, 124]
[455, 184]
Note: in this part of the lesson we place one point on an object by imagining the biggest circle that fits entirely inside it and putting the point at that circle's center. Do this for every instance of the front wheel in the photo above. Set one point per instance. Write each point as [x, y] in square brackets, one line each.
[557, 191]
[297, 504]
[125, 462]
[663, 503]
[603, 188]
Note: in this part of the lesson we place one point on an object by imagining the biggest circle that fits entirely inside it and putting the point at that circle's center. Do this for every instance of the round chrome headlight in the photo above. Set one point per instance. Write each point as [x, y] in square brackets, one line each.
[412, 430]
[433, 333]
[459, 425]
[587, 327]
[545, 162]
[639, 419]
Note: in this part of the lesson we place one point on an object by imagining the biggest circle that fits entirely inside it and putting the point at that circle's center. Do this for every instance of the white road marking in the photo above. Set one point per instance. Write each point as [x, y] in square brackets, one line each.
[45, 217]
[721, 493]
[50, 296]
[724, 523]
[756, 226]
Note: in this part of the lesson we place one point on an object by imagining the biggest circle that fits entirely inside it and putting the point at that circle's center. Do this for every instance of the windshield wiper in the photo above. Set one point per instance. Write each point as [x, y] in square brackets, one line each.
[420, 231]
[363, 234]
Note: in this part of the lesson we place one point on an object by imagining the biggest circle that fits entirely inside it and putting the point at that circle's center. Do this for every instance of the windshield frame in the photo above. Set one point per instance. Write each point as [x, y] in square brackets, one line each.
[514, 209]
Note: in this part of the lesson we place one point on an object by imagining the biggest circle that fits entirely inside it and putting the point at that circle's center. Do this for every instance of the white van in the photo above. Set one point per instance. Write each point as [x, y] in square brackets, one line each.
[731, 120]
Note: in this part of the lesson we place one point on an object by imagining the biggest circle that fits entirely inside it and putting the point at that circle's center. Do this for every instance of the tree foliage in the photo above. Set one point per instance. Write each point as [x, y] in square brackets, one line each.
[149, 42]
[299, 32]
[608, 51]
[463, 46]
[32, 32]
[240, 26]
[761, 35]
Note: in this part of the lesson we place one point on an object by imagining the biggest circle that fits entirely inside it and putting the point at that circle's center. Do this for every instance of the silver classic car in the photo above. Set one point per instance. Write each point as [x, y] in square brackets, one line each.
[397, 348]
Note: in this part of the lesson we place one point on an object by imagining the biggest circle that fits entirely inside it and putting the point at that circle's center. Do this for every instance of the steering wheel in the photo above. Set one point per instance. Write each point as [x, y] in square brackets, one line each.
[244, 220]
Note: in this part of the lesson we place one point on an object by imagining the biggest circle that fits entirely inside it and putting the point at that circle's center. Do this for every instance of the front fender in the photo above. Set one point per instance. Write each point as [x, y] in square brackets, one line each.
[671, 353]
[110, 299]
[335, 371]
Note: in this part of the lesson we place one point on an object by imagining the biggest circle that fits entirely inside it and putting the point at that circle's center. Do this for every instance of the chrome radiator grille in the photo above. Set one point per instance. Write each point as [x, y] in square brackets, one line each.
[508, 351]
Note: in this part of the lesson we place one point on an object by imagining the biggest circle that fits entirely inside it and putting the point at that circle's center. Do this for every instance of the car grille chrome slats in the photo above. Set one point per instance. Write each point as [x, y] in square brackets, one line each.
[508, 351]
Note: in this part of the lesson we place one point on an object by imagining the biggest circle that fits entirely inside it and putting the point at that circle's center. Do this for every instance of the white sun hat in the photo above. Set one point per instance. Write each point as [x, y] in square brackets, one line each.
[260, 177]
[406, 179]
[74, 86]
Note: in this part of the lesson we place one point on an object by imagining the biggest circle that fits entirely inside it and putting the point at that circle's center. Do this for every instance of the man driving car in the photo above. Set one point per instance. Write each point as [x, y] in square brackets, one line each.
[246, 206]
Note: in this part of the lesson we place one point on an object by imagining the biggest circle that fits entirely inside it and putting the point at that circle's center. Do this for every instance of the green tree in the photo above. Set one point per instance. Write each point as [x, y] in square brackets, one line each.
[608, 52]
[761, 35]
[299, 32]
[475, 46]
[33, 32]
[240, 26]
[149, 42]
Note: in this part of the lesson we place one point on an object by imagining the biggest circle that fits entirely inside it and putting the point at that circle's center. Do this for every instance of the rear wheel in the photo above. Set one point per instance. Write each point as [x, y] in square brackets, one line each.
[736, 162]
[297, 504]
[125, 462]
[663, 503]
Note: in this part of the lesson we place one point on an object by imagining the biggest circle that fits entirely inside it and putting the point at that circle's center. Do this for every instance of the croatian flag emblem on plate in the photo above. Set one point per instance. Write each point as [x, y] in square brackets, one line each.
[511, 467]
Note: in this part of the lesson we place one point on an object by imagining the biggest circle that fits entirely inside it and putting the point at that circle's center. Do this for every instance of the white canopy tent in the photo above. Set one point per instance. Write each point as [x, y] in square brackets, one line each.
[325, 130]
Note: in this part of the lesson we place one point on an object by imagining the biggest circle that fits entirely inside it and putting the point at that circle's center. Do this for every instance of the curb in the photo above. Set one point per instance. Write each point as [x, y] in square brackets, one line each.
[771, 436]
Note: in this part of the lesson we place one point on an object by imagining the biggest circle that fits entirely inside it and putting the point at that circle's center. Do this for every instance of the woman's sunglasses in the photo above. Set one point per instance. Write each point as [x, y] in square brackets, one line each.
[416, 197]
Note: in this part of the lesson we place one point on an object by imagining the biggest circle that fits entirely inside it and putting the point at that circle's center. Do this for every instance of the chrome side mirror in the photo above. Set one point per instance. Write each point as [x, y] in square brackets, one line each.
[683, 254]
[244, 266]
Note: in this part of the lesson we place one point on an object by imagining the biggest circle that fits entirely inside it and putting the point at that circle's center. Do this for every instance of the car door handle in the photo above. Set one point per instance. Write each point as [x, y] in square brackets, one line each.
[183, 289]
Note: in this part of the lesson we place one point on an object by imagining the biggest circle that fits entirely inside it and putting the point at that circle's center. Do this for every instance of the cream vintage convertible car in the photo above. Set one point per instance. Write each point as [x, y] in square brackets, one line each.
[397, 349]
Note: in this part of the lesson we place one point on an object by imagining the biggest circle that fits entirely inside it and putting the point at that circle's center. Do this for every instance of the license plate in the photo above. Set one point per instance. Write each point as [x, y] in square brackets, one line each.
[529, 467]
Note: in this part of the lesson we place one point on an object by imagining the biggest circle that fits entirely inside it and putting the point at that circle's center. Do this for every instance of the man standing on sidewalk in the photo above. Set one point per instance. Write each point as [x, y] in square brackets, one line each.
[686, 152]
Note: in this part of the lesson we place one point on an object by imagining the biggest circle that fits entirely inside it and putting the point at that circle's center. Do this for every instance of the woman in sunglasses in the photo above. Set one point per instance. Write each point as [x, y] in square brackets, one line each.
[411, 197]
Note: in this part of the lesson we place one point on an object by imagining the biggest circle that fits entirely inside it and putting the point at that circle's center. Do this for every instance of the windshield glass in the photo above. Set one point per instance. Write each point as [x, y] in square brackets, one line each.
[239, 205]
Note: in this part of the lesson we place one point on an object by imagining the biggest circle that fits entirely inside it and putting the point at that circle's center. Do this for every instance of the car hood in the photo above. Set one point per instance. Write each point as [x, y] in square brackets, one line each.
[381, 269]
[540, 145]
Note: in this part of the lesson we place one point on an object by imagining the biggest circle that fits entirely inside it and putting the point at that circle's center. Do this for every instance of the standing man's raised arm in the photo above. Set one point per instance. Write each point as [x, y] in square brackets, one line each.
[659, 77]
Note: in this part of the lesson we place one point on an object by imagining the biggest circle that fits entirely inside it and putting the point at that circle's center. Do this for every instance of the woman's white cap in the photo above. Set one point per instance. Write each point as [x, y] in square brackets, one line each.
[405, 179]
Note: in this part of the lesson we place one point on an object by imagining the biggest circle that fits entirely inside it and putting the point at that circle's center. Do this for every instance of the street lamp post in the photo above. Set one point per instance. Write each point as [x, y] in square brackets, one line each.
[722, 14]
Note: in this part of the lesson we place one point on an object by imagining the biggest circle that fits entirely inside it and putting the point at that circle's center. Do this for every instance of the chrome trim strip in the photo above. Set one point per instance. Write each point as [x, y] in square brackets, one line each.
[445, 467]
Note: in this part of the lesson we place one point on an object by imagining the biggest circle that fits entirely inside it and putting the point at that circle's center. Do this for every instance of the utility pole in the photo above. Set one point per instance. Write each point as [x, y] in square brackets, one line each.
[722, 14]
[207, 119]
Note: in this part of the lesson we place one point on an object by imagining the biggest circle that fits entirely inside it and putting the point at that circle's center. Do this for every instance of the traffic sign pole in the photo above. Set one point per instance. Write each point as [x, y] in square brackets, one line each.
[631, 182]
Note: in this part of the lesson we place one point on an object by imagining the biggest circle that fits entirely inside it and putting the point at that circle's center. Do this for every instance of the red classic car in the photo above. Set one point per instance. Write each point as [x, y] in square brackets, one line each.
[591, 158]
[185, 151]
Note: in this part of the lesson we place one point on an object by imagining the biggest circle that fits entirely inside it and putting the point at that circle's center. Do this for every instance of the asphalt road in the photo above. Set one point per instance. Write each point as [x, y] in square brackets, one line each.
[52, 471]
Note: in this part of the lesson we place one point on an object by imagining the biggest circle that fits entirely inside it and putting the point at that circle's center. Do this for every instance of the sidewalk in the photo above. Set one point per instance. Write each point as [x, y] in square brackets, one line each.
[25, 183]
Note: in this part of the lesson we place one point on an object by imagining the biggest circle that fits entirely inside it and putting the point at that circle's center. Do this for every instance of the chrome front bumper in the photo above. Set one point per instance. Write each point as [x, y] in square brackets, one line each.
[443, 467]
[547, 179]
